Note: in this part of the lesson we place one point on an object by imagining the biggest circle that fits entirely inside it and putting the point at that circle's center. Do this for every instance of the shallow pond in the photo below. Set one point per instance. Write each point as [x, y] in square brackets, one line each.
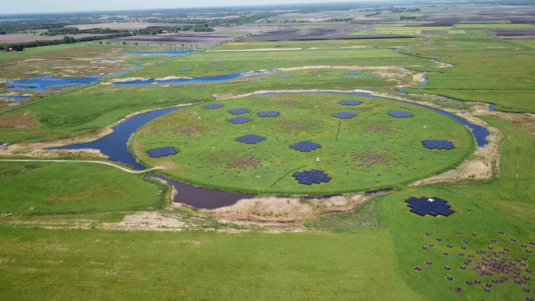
[115, 145]
[45, 82]
[205, 79]
[202, 198]
[15, 98]
[491, 107]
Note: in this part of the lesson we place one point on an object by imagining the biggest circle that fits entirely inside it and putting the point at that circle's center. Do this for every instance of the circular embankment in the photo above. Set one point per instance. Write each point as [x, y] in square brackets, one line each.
[304, 144]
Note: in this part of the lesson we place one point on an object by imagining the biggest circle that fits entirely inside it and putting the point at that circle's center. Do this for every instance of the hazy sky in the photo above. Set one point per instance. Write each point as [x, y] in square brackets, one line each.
[45, 6]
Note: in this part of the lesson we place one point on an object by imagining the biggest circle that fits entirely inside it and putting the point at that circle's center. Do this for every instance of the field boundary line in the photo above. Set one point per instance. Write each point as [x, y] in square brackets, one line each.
[85, 161]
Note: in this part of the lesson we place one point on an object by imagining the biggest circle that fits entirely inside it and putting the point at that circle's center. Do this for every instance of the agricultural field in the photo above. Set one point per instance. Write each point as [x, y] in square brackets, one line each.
[276, 155]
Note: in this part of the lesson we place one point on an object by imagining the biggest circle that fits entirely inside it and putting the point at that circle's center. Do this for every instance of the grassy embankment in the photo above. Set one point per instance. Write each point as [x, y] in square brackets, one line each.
[373, 133]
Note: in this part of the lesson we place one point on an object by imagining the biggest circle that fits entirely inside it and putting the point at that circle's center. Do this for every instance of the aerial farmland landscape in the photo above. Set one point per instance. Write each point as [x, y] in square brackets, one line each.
[267, 150]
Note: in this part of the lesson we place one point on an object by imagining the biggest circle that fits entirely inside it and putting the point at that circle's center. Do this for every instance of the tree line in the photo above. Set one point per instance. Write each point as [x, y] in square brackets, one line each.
[65, 40]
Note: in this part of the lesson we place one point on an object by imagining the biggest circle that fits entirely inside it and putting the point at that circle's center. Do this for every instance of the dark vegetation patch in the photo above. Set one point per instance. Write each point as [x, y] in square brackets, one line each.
[243, 162]
[295, 125]
[370, 158]
[18, 120]
[380, 128]
[288, 102]
[15, 169]
[189, 129]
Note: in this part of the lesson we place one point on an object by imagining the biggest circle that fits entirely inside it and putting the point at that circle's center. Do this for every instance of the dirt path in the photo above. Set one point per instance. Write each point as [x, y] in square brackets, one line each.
[83, 161]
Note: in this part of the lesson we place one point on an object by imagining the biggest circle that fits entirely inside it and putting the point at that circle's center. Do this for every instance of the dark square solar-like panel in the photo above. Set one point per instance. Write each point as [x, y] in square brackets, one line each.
[351, 102]
[268, 114]
[284, 76]
[422, 206]
[400, 114]
[250, 139]
[352, 73]
[239, 111]
[438, 144]
[162, 152]
[213, 106]
[239, 120]
[344, 115]
[305, 146]
[311, 177]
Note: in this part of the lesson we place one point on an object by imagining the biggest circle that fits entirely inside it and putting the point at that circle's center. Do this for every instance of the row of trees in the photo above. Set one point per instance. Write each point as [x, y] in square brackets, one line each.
[73, 30]
[202, 27]
[65, 40]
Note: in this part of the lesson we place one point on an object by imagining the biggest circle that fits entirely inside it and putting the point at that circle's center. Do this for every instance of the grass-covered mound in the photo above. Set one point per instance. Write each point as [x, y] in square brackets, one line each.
[370, 151]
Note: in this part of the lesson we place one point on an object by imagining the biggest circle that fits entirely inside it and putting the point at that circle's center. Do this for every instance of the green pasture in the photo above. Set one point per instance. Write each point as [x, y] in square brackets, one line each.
[407, 30]
[346, 256]
[315, 44]
[36, 51]
[490, 25]
[372, 133]
[360, 33]
[501, 204]
[60, 188]
[98, 106]
[484, 66]
[202, 65]
[198, 265]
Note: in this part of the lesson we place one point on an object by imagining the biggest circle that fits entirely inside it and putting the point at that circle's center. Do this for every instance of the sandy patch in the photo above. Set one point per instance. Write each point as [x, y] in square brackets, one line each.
[484, 166]
[120, 80]
[283, 210]
[258, 49]
[152, 221]
[230, 96]
[173, 77]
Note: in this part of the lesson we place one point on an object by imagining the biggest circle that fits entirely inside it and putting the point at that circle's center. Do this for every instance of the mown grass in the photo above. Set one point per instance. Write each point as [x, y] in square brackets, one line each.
[59, 188]
[198, 265]
[342, 141]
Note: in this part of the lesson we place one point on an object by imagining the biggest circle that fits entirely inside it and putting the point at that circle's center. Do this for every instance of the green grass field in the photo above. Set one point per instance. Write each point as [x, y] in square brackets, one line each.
[407, 30]
[484, 66]
[356, 256]
[60, 188]
[496, 25]
[59, 237]
[349, 147]
[36, 51]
